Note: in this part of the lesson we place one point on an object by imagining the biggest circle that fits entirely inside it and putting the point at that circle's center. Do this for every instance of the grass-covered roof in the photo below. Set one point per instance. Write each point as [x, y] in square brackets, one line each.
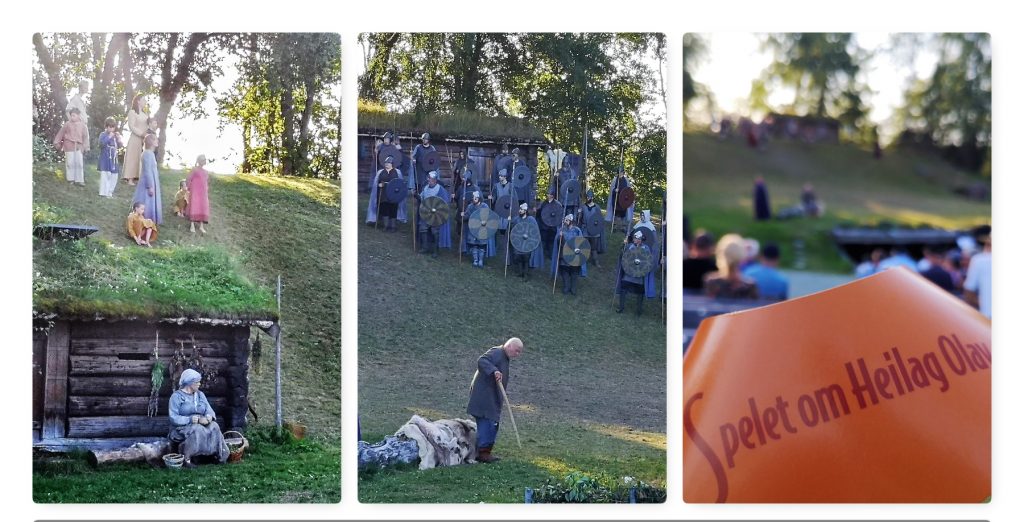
[90, 279]
[460, 124]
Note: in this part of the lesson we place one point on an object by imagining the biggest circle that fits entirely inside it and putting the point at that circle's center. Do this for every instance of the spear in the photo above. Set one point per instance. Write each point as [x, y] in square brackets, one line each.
[508, 230]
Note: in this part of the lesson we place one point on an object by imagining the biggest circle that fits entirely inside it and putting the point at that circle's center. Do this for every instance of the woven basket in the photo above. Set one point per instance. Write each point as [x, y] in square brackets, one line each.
[237, 444]
[174, 460]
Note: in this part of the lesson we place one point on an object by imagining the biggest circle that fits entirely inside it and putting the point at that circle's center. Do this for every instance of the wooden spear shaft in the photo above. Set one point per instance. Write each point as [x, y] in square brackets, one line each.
[511, 417]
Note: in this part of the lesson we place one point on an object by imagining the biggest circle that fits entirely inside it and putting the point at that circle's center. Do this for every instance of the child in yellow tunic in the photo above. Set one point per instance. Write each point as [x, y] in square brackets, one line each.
[142, 230]
[181, 199]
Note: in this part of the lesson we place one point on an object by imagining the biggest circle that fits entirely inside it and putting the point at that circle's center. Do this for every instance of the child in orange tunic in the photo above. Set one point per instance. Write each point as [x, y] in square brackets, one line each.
[181, 199]
[142, 230]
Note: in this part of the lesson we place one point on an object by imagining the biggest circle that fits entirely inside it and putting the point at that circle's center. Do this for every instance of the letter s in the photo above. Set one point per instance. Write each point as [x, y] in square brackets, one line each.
[705, 449]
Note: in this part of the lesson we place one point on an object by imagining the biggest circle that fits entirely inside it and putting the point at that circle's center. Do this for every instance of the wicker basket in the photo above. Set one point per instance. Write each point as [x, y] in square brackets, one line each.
[237, 444]
[174, 460]
[298, 430]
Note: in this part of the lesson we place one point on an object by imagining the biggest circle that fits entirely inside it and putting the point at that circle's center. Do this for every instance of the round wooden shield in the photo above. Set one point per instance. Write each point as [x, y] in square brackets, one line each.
[483, 223]
[637, 262]
[594, 224]
[525, 236]
[434, 211]
[650, 237]
[576, 251]
[522, 176]
[552, 213]
[429, 161]
[389, 150]
[395, 190]
[505, 207]
[625, 198]
[570, 191]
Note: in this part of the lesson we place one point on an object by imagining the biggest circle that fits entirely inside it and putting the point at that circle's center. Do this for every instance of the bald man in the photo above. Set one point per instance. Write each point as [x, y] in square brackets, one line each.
[485, 398]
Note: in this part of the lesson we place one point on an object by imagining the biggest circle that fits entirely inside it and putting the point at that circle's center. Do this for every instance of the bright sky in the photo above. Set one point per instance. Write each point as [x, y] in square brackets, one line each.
[734, 60]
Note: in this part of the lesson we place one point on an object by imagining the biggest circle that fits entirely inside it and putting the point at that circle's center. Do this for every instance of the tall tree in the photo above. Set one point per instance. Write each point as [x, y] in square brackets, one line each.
[821, 68]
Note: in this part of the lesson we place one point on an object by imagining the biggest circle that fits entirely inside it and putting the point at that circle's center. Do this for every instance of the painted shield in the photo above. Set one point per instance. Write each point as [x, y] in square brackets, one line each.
[570, 191]
[594, 225]
[576, 251]
[483, 223]
[429, 161]
[552, 213]
[525, 236]
[650, 237]
[389, 150]
[395, 190]
[505, 207]
[625, 198]
[434, 211]
[522, 176]
[637, 262]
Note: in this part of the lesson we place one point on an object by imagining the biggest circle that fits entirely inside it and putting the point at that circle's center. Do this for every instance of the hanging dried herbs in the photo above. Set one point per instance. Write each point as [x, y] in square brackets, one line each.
[156, 379]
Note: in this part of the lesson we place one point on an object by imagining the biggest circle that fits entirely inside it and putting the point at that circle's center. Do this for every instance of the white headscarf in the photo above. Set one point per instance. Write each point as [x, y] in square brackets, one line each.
[189, 376]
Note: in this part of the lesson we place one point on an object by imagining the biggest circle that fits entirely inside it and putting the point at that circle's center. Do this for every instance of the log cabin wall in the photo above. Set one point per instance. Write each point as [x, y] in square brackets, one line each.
[481, 153]
[107, 373]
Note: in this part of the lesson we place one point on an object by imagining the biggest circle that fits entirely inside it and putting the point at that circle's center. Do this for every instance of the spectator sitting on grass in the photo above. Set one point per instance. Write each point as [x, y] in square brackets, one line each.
[728, 282]
[771, 284]
[700, 262]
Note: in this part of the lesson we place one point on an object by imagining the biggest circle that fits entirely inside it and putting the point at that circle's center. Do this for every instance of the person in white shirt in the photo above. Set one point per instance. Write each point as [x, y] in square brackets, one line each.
[978, 284]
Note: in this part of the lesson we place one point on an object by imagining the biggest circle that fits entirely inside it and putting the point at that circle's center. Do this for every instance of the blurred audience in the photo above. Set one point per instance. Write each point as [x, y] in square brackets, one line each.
[728, 282]
[771, 284]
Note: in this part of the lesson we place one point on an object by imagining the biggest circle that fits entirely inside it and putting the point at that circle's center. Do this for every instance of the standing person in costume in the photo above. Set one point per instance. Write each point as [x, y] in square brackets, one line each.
[547, 233]
[73, 140]
[503, 188]
[565, 174]
[586, 213]
[379, 207]
[485, 399]
[110, 141]
[418, 154]
[762, 208]
[525, 262]
[78, 102]
[148, 190]
[569, 274]
[433, 237]
[498, 160]
[529, 193]
[627, 284]
[137, 126]
[181, 199]
[463, 193]
[142, 230]
[478, 248]
[194, 426]
[459, 168]
[624, 216]
[199, 194]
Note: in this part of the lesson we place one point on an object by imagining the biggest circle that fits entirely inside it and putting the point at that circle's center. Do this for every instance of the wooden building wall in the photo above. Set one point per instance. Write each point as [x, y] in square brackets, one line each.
[97, 377]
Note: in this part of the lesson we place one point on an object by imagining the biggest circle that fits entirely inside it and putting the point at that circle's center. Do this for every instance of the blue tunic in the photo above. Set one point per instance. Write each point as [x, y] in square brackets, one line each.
[108, 153]
[444, 231]
[650, 290]
[537, 256]
[149, 180]
[556, 251]
[371, 209]
[492, 247]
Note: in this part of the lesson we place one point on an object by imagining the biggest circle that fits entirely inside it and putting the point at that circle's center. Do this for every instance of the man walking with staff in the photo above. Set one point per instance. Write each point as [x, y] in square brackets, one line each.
[487, 393]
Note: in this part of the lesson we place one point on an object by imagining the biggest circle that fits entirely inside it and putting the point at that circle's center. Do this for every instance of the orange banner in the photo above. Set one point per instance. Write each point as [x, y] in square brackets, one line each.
[874, 391]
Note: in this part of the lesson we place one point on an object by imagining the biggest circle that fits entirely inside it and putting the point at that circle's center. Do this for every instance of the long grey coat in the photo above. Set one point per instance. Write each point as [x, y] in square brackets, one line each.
[484, 397]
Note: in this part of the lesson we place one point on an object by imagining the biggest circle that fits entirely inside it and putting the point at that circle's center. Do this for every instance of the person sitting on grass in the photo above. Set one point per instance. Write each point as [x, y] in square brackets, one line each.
[728, 282]
[142, 230]
[194, 426]
[181, 199]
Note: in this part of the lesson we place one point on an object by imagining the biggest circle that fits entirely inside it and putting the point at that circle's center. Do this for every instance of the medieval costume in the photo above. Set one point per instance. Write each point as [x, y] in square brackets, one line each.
[193, 422]
[107, 165]
[199, 191]
[526, 261]
[140, 229]
[624, 283]
[586, 213]
[503, 188]
[148, 190]
[386, 210]
[568, 273]
[133, 152]
[570, 201]
[477, 247]
[433, 237]
[547, 233]
[181, 198]
[73, 140]
[418, 155]
[623, 215]
[459, 169]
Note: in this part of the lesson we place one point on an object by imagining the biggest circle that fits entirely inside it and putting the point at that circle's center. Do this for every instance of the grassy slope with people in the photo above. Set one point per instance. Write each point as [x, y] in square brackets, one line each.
[589, 391]
[267, 226]
[904, 187]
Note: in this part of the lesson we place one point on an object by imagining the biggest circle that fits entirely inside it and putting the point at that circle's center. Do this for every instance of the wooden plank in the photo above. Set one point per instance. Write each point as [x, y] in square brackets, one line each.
[38, 378]
[88, 444]
[131, 386]
[114, 365]
[140, 347]
[122, 426]
[142, 330]
[55, 392]
[93, 406]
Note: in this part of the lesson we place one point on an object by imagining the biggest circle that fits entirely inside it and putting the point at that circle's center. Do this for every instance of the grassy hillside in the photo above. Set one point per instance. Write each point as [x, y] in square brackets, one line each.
[904, 187]
[589, 391]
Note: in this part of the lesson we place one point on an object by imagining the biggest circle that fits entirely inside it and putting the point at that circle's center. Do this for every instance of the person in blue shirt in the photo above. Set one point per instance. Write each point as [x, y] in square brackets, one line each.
[194, 426]
[771, 284]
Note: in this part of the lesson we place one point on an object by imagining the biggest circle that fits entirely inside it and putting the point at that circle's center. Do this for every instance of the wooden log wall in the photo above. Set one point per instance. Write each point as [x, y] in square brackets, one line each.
[103, 371]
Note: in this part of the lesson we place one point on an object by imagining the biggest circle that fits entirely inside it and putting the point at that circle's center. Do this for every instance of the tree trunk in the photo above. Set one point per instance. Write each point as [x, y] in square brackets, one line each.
[151, 452]
[172, 80]
[288, 136]
[126, 71]
[60, 96]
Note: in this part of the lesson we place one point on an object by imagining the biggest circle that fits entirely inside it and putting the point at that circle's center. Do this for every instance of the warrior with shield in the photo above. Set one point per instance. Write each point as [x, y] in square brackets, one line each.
[566, 254]
[432, 222]
[635, 273]
[526, 252]
[620, 200]
[424, 159]
[477, 246]
[568, 185]
[461, 166]
[547, 230]
[591, 223]
[384, 206]
[502, 201]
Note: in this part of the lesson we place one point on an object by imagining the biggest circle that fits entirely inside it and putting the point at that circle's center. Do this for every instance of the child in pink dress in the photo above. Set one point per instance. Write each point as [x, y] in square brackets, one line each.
[199, 202]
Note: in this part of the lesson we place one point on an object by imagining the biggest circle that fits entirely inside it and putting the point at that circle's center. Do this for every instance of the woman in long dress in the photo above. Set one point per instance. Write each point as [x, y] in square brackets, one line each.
[137, 127]
[198, 209]
[148, 190]
[193, 422]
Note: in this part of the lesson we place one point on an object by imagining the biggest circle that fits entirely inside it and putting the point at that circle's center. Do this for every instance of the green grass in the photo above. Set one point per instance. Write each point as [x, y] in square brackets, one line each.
[589, 391]
[905, 187]
[266, 226]
[459, 123]
[270, 472]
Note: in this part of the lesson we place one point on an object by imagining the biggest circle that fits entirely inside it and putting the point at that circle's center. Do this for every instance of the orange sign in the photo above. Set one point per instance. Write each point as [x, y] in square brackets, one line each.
[874, 391]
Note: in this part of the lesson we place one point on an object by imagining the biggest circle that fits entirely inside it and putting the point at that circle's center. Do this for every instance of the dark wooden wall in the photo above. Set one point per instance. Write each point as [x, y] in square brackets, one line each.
[108, 368]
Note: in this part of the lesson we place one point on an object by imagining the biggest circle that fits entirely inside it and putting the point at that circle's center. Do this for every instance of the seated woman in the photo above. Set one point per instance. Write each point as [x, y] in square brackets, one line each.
[193, 422]
[142, 230]
[729, 282]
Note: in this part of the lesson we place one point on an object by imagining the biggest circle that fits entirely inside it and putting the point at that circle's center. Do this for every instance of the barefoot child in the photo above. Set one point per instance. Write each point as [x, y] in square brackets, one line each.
[110, 141]
[142, 230]
[181, 199]
[73, 139]
[199, 193]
